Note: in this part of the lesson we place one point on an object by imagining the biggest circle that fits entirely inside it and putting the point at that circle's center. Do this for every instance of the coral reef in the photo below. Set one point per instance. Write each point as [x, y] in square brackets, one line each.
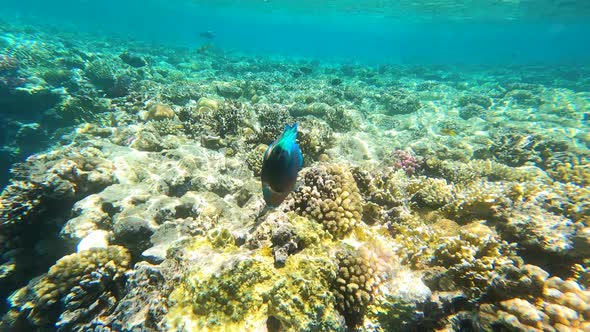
[473, 257]
[544, 303]
[431, 198]
[330, 196]
[86, 285]
[356, 282]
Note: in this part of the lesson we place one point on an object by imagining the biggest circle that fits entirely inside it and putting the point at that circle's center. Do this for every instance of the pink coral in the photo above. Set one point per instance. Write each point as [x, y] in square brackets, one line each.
[406, 161]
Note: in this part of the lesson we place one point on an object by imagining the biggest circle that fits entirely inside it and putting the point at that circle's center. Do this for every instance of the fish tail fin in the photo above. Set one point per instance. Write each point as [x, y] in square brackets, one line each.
[290, 132]
[289, 136]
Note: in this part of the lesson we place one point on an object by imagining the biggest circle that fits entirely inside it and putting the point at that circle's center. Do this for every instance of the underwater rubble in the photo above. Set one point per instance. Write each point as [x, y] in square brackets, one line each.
[431, 199]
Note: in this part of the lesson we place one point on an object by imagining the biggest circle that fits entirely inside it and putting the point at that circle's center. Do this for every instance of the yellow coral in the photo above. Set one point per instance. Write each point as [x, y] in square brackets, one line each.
[35, 301]
[158, 111]
[563, 305]
[207, 105]
[330, 196]
[430, 191]
[474, 256]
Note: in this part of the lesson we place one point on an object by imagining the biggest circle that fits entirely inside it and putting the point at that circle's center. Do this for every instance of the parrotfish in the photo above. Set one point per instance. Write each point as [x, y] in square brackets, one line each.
[281, 163]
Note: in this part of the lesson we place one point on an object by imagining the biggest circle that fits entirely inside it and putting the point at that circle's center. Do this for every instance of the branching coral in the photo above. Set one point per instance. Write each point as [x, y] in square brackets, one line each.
[78, 287]
[400, 102]
[473, 257]
[272, 119]
[330, 196]
[542, 304]
[314, 138]
[384, 188]
[207, 117]
[478, 200]
[430, 192]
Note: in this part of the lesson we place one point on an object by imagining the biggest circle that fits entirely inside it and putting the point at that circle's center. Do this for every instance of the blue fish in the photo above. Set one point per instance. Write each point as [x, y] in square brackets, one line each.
[281, 162]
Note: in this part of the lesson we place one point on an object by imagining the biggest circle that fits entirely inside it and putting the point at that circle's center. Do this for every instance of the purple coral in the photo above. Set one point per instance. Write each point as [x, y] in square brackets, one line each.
[406, 161]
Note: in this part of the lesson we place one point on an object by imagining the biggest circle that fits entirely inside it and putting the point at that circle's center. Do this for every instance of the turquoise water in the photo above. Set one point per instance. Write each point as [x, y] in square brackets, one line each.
[444, 183]
[481, 32]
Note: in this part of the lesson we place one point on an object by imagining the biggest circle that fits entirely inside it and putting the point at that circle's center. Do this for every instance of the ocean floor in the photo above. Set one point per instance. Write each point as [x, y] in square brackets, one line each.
[431, 198]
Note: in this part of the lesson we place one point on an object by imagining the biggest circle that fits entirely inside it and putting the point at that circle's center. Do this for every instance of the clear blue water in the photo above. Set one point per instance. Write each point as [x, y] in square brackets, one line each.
[439, 32]
[441, 90]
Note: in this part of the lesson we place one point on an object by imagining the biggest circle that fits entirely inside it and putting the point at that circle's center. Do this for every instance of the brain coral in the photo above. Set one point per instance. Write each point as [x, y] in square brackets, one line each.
[89, 279]
[330, 196]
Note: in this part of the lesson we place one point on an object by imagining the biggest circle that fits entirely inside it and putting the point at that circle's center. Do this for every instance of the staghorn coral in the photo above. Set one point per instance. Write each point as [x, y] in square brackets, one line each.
[575, 169]
[78, 288]
[473, 257]
[330, 196]
[518, 149]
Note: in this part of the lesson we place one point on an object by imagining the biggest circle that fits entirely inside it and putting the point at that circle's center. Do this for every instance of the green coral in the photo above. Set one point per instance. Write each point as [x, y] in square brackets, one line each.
[242, 291]
[66, 286]
[221, 237]
[302, 301]
[330, 196]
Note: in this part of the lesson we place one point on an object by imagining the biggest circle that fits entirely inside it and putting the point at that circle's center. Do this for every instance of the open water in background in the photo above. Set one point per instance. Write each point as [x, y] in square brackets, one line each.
[375, 32]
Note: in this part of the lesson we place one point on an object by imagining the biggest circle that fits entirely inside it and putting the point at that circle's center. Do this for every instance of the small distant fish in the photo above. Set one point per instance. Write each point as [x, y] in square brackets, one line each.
[207, 34]
[281, 163]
